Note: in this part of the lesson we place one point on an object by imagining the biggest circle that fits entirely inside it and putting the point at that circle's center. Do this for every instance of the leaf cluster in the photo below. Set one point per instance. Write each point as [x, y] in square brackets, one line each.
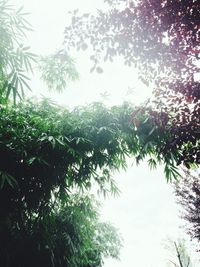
[57, 70]
[46, 148]
[16, 59]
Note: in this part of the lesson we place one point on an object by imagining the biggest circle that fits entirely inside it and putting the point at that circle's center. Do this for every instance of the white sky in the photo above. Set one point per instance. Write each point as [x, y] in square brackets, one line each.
[146, 212]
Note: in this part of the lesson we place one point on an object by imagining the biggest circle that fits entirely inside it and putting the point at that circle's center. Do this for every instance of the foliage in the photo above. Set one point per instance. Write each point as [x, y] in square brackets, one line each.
[41, 222]
[57, 70]
[48, 152]
[144, 33]
[15, 58]
[188, 195]
[45, 147]
[92, 240]
[161, 39]
[71, 235]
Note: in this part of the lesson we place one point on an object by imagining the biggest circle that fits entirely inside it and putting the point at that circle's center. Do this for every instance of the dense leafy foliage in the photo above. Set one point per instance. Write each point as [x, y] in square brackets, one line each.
[42, 223]
[70, 235]
[161, 39]
[48, 152]
[45, 147]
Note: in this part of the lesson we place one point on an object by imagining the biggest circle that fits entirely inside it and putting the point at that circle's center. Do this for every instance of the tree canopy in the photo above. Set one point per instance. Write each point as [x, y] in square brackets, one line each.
[45, 219]
[50, 154]
[161, 39]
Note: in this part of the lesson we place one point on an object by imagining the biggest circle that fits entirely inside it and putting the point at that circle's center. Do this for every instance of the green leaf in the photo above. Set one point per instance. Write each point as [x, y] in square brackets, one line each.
[7, 178]
[152, 163]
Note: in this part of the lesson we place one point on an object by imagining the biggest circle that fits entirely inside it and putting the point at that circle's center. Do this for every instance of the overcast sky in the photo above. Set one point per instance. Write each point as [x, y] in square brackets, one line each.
[146, 213]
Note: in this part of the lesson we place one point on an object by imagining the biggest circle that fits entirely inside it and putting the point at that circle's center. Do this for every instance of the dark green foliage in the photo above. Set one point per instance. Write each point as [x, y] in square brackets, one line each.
[45, 148]
[70, 235]
[46, 153]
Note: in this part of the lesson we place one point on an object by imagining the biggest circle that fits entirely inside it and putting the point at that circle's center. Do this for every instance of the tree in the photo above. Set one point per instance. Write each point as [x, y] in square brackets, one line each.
[188, 195]
[161, 38]
[41, 222]
[47, 152]
[71, 235]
